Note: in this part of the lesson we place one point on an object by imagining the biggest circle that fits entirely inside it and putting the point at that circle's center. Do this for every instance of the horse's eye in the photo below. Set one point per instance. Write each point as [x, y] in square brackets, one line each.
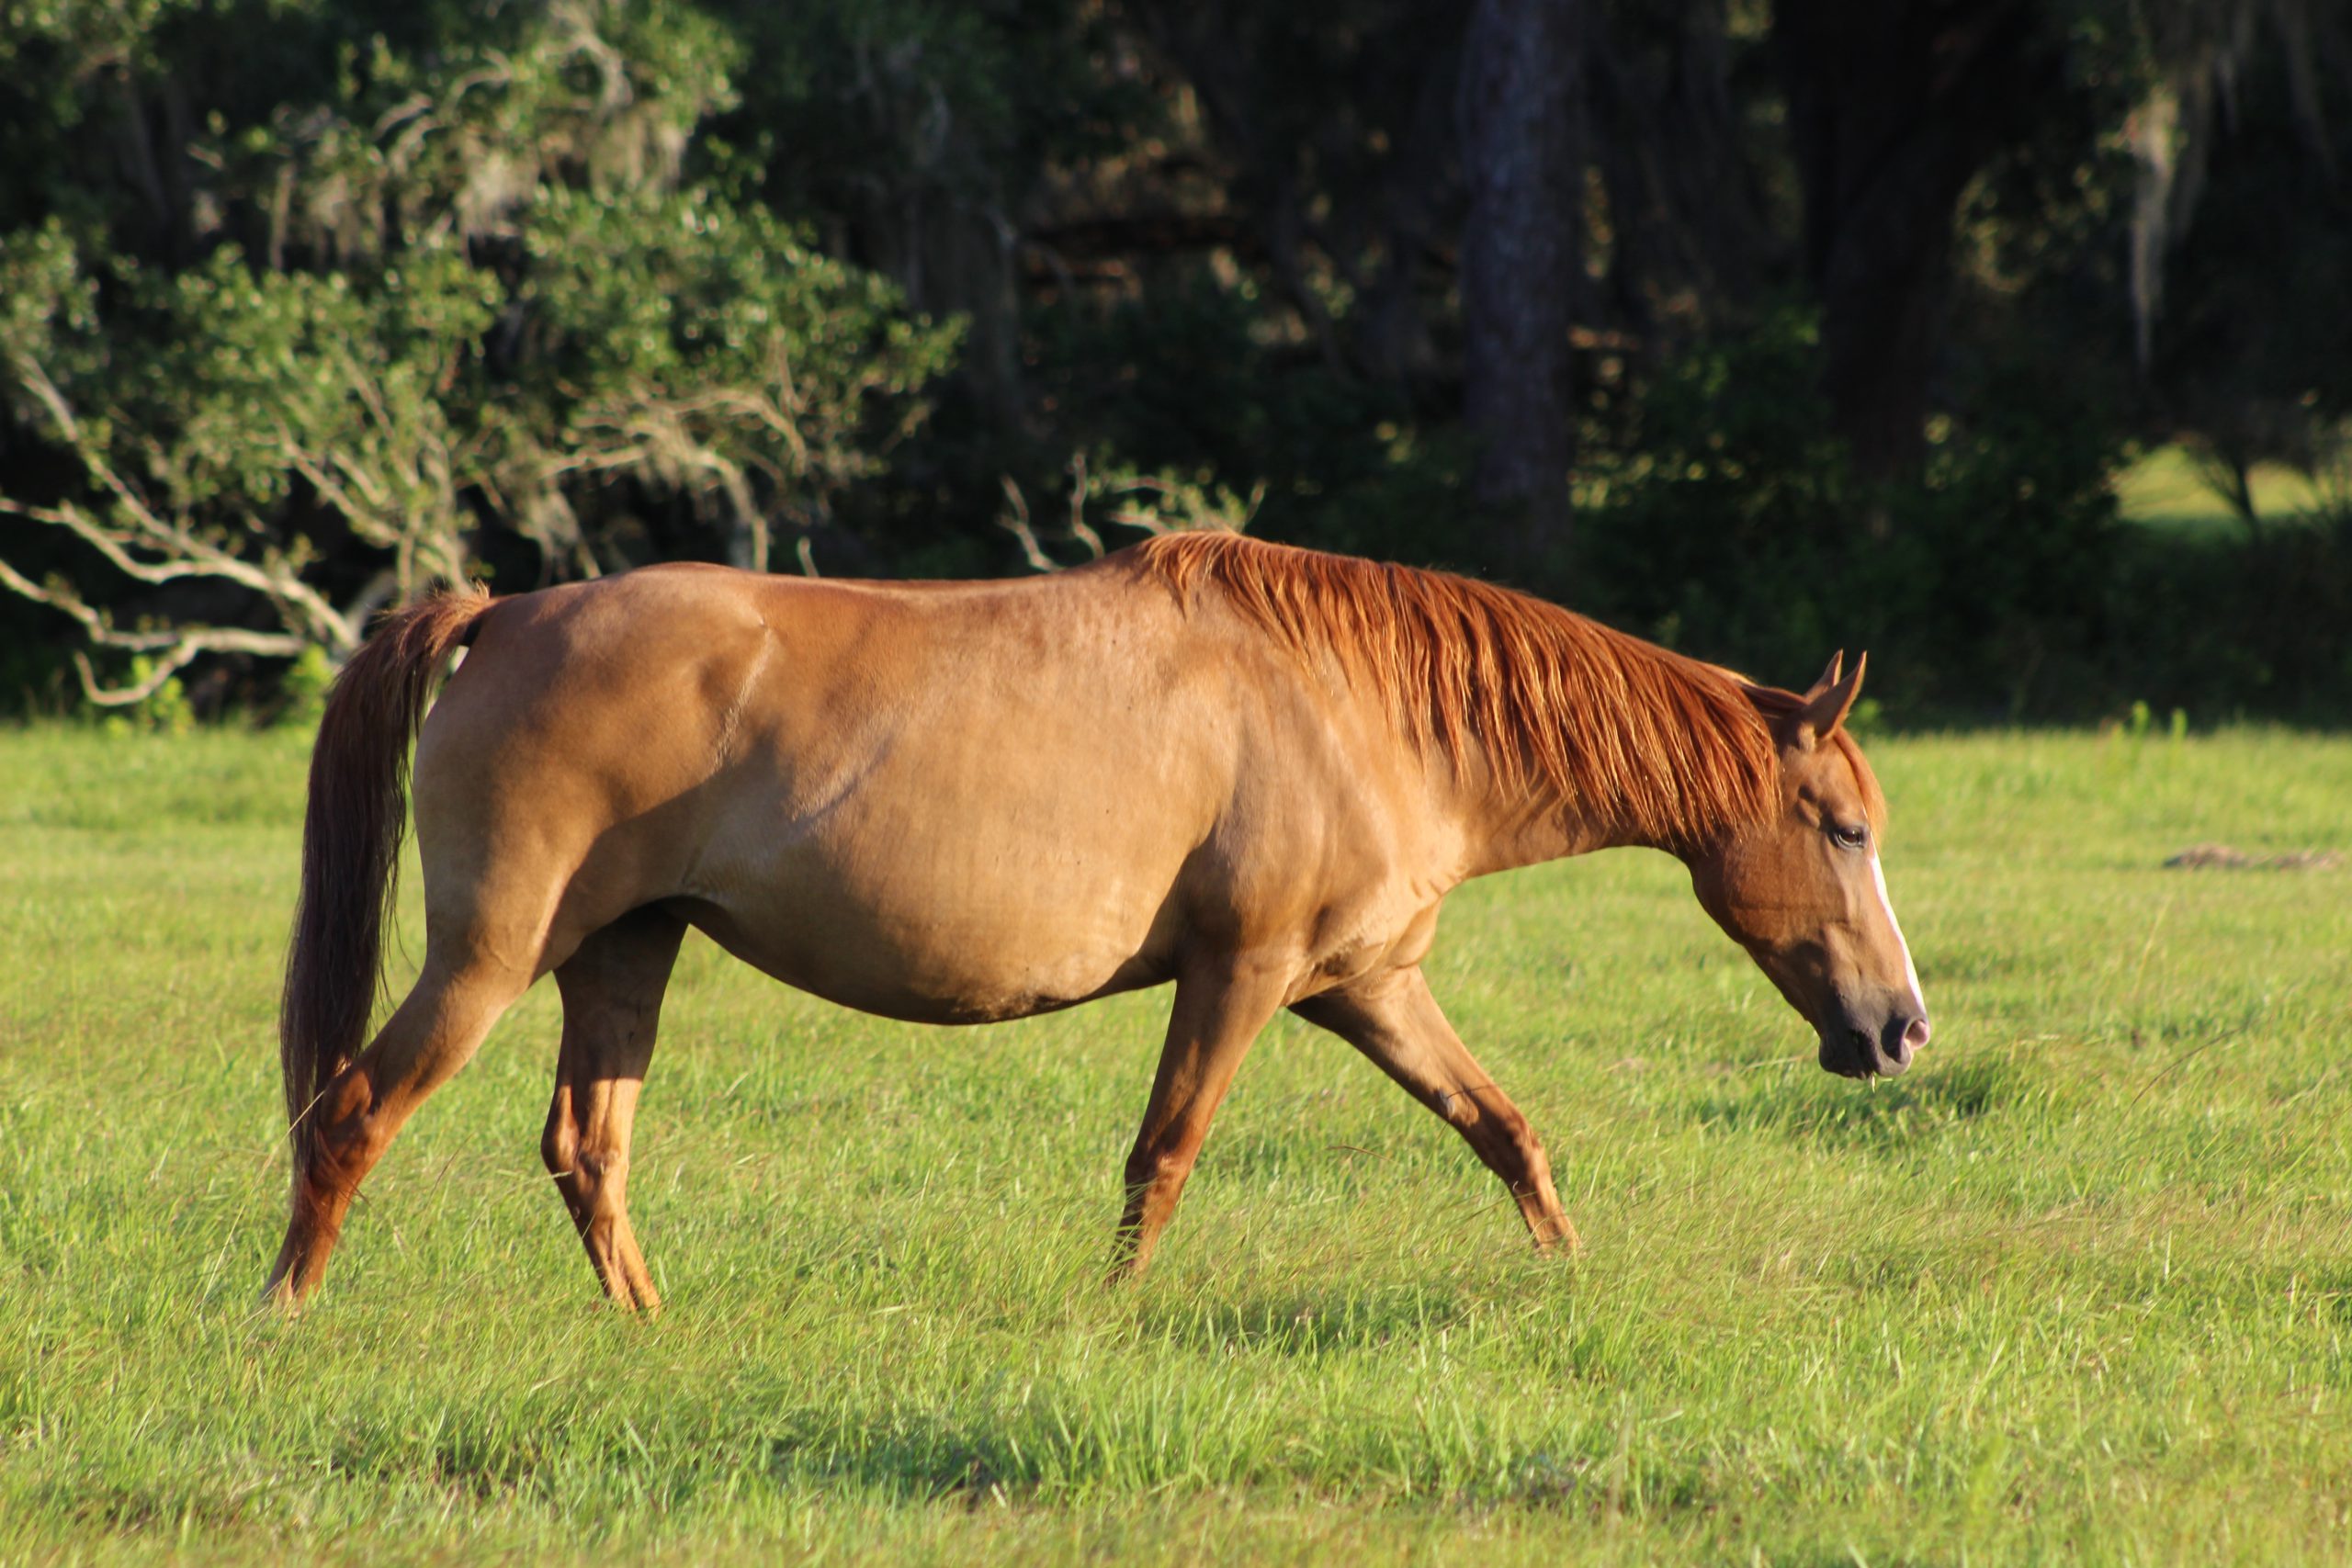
[1850, 838]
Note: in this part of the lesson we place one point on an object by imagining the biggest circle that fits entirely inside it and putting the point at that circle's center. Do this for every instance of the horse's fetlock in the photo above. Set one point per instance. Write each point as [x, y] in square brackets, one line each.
[1155, 1168]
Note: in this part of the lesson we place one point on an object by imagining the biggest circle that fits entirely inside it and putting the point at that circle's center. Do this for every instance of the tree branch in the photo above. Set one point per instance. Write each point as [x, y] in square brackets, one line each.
[177, 647]
[184, 553]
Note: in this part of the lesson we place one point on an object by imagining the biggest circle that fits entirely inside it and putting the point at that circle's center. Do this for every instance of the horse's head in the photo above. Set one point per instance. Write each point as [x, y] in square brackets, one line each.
[1801, 890]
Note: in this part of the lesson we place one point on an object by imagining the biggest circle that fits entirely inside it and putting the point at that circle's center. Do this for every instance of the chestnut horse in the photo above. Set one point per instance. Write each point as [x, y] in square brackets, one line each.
[1251, 769]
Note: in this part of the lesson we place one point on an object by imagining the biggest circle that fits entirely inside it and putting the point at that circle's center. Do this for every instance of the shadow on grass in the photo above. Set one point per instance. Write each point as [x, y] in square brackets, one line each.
[1305, 1323]
[1912, 1109]
[145, 1506]
[1062, 1452]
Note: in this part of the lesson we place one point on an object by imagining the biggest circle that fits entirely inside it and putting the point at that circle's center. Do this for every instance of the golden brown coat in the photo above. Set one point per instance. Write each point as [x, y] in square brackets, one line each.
[1252, 771]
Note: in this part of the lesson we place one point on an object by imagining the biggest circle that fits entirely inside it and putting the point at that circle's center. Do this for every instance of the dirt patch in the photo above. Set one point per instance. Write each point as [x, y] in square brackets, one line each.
[2208, 857]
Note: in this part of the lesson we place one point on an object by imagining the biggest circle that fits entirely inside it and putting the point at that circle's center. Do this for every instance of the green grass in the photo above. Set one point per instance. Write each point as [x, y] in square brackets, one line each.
[2165, 489]
[2078, 1288]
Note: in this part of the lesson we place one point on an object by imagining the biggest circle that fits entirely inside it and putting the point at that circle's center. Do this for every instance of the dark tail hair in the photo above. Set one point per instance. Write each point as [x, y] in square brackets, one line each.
[351, 844]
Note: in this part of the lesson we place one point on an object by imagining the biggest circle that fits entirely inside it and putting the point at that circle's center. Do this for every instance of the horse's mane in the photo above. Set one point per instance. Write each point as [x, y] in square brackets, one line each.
[1661, 746]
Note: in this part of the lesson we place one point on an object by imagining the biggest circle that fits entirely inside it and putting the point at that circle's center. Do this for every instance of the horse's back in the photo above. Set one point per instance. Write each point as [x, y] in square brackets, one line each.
[967, 800]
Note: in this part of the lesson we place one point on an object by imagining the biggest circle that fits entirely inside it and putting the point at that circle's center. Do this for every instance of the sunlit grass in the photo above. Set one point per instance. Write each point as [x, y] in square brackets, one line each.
[2079, 1287]
[2165, 489]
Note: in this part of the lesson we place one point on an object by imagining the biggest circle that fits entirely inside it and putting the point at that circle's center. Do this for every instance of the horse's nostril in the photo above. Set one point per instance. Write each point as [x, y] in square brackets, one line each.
[1914, 1038]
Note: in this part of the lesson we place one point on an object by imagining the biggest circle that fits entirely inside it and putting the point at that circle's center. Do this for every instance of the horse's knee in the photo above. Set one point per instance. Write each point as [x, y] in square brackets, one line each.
[559, 1145]
[591, 1170]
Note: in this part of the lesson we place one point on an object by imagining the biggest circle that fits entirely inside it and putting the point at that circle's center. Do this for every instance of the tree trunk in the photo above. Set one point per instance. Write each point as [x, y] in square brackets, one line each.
[1521, 262]
[1691, 240]
[1417, 203]
[1893, 106]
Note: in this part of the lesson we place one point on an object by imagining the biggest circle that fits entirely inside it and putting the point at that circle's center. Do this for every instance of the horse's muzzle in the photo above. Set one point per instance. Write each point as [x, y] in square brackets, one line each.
[1882, 1053]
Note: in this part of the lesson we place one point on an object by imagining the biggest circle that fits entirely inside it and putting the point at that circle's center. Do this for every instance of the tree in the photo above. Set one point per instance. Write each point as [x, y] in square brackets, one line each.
[2239, 248]
[1523, 160]
[473, 298]
[1894, 106]
[1692, 245]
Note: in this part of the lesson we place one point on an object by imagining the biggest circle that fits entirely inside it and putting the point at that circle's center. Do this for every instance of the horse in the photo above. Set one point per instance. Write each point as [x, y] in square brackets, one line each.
[1251, 769]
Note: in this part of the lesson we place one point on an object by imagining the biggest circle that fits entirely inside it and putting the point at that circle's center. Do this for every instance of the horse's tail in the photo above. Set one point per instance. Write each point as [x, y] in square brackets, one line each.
[351, 843]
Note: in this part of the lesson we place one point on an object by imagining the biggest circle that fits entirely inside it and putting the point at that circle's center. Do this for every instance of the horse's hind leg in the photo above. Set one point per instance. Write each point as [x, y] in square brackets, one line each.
[612, 989]
[434, 1032]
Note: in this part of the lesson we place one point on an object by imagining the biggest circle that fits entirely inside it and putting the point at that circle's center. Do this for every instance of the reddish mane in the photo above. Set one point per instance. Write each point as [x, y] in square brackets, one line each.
[1669, 748]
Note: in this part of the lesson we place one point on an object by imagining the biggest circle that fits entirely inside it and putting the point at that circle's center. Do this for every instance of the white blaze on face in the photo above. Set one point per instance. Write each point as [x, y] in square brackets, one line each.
[1886, 905]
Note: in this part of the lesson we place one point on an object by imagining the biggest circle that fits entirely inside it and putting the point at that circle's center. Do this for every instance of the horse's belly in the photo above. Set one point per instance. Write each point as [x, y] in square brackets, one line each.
[936, 939]
[987, 844]
[926, 973]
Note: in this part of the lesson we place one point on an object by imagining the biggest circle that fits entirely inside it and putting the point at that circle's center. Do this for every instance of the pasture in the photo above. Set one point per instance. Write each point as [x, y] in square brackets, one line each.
[2079, 1286]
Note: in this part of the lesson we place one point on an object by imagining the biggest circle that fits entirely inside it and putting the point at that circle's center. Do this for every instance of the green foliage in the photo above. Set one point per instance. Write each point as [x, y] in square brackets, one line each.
[1727, 516]
[48, 307]
[2223, 625]
[342, 295]
[440, 291]
[163, 711]
[352, 383]
[697, 341]
[303, 692]
[1103, 500]
[860, 101]
[1727, 522]
[1342, 463]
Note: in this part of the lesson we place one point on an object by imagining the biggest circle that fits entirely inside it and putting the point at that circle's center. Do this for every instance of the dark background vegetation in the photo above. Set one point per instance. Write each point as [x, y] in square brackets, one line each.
[1758, 328]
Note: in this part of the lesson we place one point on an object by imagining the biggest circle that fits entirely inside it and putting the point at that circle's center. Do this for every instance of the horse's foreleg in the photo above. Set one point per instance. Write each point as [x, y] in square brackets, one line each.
[1217, 1013]
[434, 1033]
[612, 989]
[1397, 1023]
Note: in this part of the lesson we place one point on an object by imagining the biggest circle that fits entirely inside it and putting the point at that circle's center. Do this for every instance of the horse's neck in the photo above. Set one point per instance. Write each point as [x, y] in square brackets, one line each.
[1505, 826]
[1688, 765]
[1503, 831]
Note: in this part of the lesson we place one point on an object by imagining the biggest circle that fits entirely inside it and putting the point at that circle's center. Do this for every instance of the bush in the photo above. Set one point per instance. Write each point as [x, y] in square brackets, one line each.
[1725, 519]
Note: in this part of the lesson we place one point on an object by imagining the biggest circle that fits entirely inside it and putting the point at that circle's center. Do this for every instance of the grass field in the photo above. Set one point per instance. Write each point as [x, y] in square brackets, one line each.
[2079, 1287]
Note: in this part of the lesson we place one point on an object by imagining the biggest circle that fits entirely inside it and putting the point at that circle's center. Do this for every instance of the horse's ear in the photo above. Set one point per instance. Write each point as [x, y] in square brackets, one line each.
[1829, 677]
[1826, 705]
